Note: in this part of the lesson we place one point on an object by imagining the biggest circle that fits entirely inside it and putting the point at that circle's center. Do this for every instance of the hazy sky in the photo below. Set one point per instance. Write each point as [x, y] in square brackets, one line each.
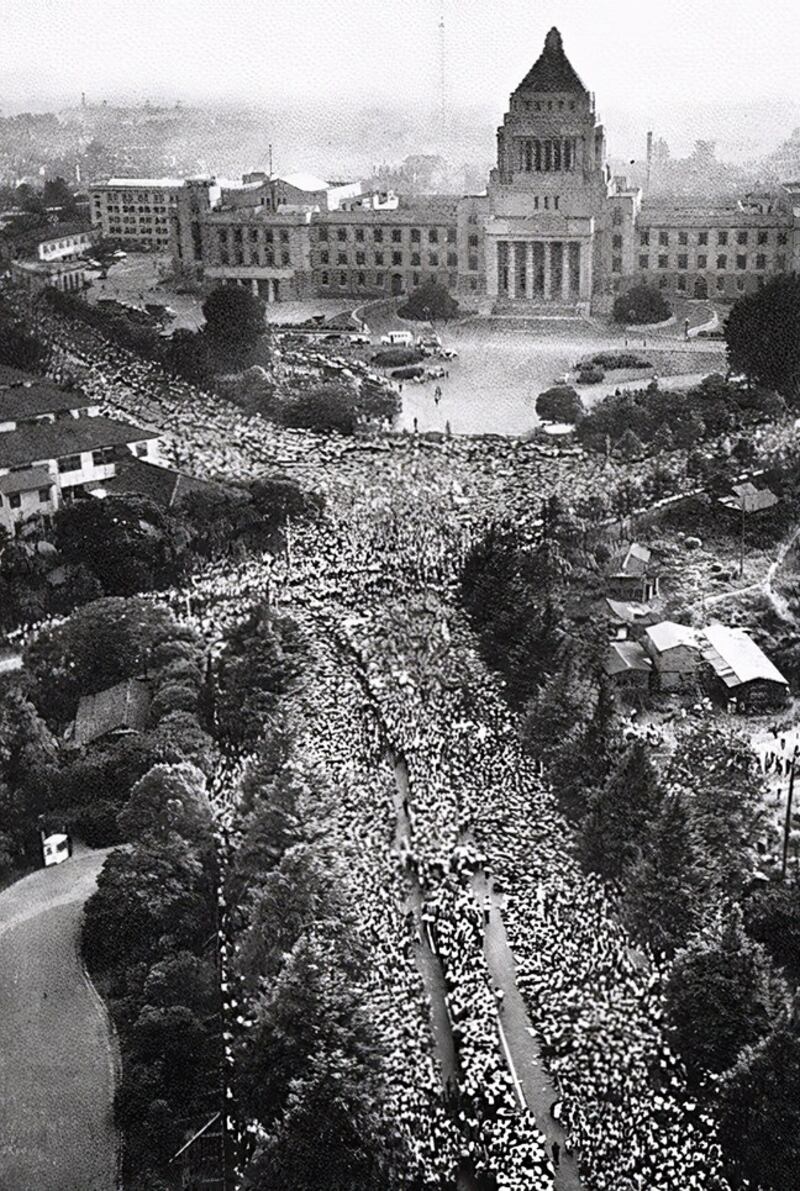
[632, 53]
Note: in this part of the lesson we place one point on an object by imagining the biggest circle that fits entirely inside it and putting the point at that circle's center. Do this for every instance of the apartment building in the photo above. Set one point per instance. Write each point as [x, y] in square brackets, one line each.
[135, 211]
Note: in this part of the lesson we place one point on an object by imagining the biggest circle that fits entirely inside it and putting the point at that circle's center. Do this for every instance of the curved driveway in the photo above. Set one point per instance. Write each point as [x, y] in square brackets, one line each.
[57, 1053]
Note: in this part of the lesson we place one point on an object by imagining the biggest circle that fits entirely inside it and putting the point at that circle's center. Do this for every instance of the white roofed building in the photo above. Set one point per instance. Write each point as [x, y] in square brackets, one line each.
[742, 668]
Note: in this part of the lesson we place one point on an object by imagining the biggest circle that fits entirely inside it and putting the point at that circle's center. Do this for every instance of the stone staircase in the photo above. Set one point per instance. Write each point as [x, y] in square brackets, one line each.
[530, 309]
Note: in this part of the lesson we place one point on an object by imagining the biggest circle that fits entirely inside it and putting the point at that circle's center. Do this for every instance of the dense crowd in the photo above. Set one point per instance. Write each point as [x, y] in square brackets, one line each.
[397, 676]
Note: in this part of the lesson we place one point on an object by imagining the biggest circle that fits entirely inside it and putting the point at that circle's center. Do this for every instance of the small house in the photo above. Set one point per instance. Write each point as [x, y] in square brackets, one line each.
[742, 669]
[628, 667]
[633, 576]
[673, 649]
[746, 498]
[120, 708]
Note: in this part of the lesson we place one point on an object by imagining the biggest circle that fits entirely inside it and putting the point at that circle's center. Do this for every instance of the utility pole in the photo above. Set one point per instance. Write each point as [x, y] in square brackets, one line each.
[787, 825]
[741, 541]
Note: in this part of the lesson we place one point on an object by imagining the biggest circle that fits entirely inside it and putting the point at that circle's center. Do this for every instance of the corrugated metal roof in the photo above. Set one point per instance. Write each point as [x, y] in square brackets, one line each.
[668, 635]
[736, 658]
[122, 706]
[624, 656]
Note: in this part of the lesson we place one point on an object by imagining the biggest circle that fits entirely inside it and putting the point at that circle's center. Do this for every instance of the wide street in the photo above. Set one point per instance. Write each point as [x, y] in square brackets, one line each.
[57, 1054]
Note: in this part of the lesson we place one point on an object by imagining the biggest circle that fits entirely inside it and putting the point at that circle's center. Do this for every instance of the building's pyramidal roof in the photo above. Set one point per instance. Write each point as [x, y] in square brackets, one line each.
[552, 71]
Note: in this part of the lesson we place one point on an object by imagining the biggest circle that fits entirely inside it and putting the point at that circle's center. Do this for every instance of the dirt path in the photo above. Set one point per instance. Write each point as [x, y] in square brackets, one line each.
[57, 1053]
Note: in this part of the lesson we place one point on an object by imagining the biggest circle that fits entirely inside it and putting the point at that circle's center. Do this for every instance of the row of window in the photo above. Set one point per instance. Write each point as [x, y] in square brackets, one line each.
[415, 234]
[742, 237]
[682, 261]
[237, 234]
[265, 260]
[554, 155]
[379, 258]
[541, 105]
[343, 279]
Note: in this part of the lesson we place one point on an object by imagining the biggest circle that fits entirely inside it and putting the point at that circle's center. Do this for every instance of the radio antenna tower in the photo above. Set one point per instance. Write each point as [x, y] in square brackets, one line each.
[442, 78]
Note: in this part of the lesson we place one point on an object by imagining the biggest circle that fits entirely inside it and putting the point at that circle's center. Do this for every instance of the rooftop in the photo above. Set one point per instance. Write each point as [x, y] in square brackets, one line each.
[624, 656]
[122, 706]
[552, 72]
[744, 497]
[736, 657]
[142, 183]
[70, 436]
[667, 635]
[301, 181]
[59, 233]
[162, 485]
[29, 480]
[41, 397]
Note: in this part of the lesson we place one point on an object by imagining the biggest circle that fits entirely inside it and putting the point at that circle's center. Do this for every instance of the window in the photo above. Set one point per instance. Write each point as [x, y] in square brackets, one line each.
[783, 238]
[377, 235]
[473, 218]
[285, 258]
[103, 457]
[341, 258]
[452, 260]
[763, 237]
[741, 237]
[140, 449]
[341, 233]
[44, 496]
[397, 235]
[268, 236]
[616, 264]
[472, 264]
[416, 235]
[15, 500]
[720, 283]
[702, 237]
[702, 261]
[683, 260]
[740, 284]
[722, 261]
[397, 258]
[69, 463]
[324, 257]
[359, 234]
[546, 203]
[683, 237]
[361, 258]
[761, 261]
[415, 279]
[473, 283]
[681, 283]
[415, 259]
[325, 280]
[780, 261]
[722, 238]
[536, 202]
[342, 279]
[644, 261]
[663, 261]
[433, 260]
[378, 258]
[362, 280]
[616, 241]
[556, 202]
[451, 235]
[644, 239]
[663, 282]
[741, 260]
[433, 235]
[663, 239]
[473, 241]
[616, 216]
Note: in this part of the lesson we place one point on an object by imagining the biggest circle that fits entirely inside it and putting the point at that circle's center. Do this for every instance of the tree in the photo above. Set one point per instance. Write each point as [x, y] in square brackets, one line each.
[560, 404]
[630, 446]
[278, 499]
[759, 1111]
[722, 995]
[57, 193]
[619, 813]
[665, 887]
[234, 320]
[186, 353]
[126, 541]
[762, 333]
[18, 348]
[98, 646]
[642, 304]
[325, 407]
[773, 918]
[260, 660]
[168, 798]
[430, 301]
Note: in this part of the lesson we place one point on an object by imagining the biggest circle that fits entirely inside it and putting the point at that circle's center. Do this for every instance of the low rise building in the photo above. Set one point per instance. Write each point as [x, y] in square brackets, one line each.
[633, 577]
[628, 667]
[120, 708]
[673, 649]
[135, 211]
[743, 671]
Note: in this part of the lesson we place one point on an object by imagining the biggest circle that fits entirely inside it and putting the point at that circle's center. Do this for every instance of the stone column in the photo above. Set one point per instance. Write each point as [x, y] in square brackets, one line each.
[529, 269]
[586, 271]
[512, 269]
[565, 271]
[492, 267]
[546, 294]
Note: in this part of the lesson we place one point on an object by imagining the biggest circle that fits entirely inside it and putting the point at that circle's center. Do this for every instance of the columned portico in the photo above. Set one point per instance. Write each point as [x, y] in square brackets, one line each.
[539, 269]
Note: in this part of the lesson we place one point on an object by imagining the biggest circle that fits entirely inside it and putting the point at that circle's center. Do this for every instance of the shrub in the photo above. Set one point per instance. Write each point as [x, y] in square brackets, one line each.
[407, 373]
[397, 357]
[590, 374]
[430, 301]
[172, 697]
[559, 404]
[180, 671]
[642, 304]
[612, 360]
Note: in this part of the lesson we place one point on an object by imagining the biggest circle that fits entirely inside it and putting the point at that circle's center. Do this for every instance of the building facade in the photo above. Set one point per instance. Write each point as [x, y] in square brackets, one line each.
[554, 228]
[135, 211]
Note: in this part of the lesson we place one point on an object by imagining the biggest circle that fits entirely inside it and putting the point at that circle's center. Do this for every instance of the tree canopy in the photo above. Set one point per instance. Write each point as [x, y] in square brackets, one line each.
[430, 301]
[641, 304]
[234, 319]
[762, 332]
